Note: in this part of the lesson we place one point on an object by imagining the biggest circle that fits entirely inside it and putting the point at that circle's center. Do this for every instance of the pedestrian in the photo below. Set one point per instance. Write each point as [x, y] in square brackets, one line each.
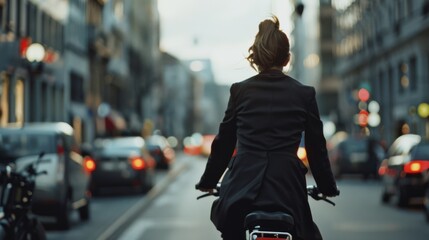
[264, 121]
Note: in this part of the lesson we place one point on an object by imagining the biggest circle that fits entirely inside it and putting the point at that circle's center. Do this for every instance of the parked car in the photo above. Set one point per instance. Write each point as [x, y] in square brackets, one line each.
[161, 151]
[121, 162]
[426, 196]
[403, 171]
[65, 186]
[206, 146]
[356, 155]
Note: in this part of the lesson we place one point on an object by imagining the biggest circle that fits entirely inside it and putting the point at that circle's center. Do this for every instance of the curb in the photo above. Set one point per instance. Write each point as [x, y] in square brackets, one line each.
[119, 226]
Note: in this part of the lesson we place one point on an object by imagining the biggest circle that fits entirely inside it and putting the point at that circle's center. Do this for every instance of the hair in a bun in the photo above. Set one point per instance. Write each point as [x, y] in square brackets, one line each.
[271, 46]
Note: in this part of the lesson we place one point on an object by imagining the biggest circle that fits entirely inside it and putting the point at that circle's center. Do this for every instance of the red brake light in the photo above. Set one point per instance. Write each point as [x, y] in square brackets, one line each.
[89, 164]
[137, 163]
[416, 166]
[60, 149]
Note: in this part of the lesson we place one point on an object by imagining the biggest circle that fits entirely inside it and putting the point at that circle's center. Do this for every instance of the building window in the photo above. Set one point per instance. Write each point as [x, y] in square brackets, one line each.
[21, 19]
[4, 97]
[118, 9]
[409, 8]
[59, 104]
[19, 101]
[413, 73]
[76, 83]
[390, 84]
[31, 20]
[403, 81]
[2, 15]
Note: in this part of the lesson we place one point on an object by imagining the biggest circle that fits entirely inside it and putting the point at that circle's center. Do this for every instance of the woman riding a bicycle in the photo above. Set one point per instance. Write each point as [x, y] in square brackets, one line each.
[264, 121]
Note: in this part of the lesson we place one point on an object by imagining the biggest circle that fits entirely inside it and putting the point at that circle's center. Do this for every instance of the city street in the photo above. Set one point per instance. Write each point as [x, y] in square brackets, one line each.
[102, 93]
[171, 211]
[358, 213]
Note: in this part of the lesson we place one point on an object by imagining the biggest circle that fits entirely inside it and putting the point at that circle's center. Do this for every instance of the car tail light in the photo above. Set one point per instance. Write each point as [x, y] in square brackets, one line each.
[60, 149]
[382, 170]
[301, 153]
[137, 163]
[89, 164]
[416, 166]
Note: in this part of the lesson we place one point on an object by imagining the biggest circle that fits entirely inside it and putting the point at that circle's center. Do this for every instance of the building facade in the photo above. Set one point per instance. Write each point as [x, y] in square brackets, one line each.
[101, 67]
[381, 46]
[32, 89]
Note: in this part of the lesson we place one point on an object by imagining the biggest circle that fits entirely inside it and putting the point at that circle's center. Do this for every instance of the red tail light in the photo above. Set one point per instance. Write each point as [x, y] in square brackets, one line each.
[89, 164]
[416, 166]
[60, 149]
[137, 163]
[301, 153]
[382, 170]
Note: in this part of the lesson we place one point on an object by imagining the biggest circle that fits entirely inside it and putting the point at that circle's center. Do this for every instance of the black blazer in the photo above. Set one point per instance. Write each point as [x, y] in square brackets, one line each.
[264, 121]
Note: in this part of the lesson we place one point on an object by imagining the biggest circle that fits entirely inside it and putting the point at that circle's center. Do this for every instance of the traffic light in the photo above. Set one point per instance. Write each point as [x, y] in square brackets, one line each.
[363, 95]
[363, 118]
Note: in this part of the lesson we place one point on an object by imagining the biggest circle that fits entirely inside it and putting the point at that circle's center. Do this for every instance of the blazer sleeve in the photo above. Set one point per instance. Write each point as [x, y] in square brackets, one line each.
[315, 144]
[223, 145]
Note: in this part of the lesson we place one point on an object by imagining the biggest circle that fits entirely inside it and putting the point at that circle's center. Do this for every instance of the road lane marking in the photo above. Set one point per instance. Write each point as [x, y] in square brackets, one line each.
[367, 227]
[138, 228]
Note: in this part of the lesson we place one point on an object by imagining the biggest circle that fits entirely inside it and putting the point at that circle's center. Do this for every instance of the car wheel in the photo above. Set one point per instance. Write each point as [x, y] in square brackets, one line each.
[147, 182]
[38, 231]
[403, 198]
[385, 197]
[84, 213]
[63, 216]
[426, 204]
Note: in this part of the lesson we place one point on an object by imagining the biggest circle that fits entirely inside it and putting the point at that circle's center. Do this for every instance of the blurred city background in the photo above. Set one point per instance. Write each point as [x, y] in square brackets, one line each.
[157, 73]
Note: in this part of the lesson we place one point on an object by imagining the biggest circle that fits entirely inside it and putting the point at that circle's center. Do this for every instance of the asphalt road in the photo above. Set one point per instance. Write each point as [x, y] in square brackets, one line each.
[171, 211]
[114, 210]
[358, 213]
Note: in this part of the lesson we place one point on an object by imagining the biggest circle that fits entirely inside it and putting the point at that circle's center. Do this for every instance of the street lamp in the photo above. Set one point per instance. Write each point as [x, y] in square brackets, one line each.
[35, 52]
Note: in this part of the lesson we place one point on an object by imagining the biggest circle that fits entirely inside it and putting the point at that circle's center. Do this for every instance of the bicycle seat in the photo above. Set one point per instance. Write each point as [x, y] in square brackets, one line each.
[269, 220]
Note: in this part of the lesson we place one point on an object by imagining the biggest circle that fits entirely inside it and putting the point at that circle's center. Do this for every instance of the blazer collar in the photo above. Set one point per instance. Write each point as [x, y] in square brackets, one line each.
[272, 73]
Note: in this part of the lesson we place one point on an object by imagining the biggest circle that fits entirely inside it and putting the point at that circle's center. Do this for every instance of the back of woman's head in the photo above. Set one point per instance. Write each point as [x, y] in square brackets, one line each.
[271, 46]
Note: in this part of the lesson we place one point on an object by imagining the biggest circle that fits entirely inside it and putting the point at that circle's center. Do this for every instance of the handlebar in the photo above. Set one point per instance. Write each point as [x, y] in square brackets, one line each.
[312, 191]
[214, 193]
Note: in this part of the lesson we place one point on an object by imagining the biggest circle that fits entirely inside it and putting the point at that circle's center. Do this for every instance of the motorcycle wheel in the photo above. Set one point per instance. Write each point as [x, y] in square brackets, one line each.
[33, 230]
[38, 231]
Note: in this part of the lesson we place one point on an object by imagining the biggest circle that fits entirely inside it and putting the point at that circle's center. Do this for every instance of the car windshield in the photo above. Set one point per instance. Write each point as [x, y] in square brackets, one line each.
[421, 152]
[118, 151]
[119, 143]
[15, 145]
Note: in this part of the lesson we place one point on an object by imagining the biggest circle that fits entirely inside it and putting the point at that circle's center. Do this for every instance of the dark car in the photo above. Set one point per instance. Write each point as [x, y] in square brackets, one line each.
[65, 186]
[161, 151]
[356, 155]
[403, 171]
[121, 162]
[426, 195]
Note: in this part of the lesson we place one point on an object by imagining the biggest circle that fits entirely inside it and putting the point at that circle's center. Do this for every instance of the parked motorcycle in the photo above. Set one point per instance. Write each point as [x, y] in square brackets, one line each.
[16, 193]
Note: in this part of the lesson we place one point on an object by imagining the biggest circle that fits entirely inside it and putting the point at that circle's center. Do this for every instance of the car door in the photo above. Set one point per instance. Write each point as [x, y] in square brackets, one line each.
[394, 164]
